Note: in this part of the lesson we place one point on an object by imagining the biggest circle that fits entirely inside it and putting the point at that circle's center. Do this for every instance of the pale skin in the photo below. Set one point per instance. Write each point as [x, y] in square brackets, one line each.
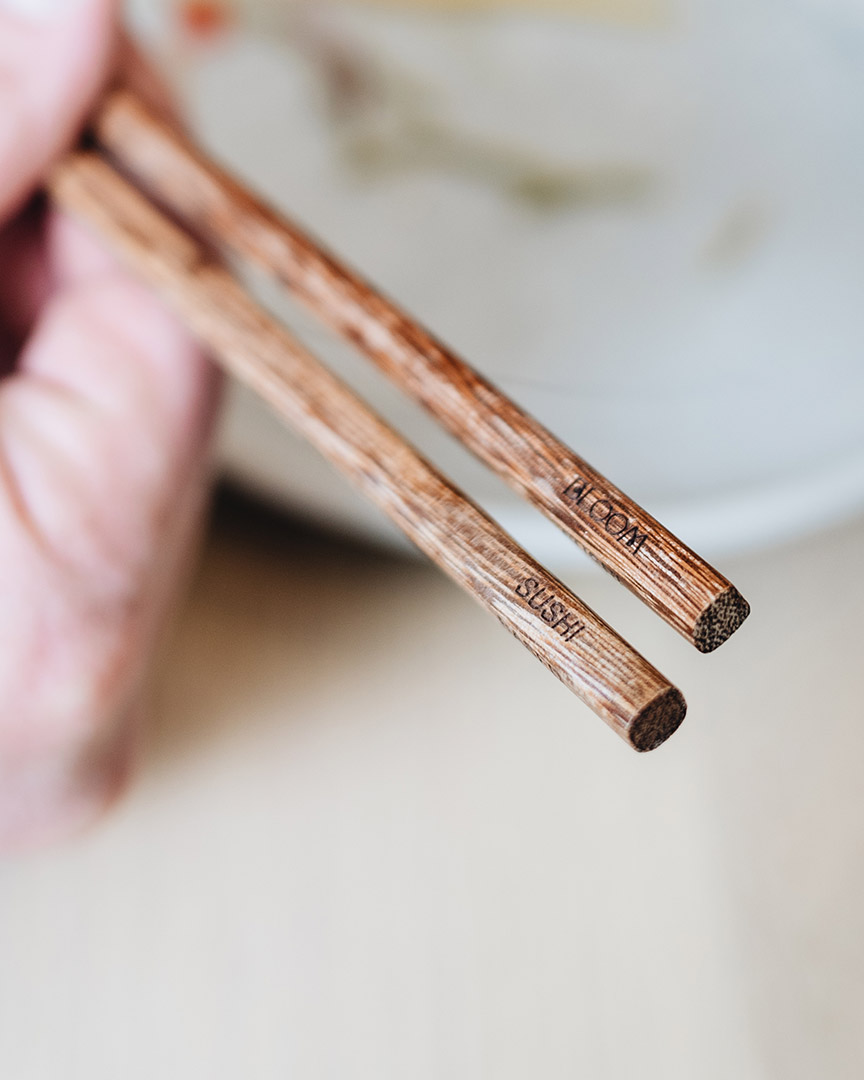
[106, 410]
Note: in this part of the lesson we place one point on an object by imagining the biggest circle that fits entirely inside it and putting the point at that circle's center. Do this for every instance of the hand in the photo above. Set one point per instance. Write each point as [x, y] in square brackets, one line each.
[105, 412]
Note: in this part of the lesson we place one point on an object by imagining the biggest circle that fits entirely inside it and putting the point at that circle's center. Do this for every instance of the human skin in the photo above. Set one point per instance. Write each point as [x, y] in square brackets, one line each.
[106, 410]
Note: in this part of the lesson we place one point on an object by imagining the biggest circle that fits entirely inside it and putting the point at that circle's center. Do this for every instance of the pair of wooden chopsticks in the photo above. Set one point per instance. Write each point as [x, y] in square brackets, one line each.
[138, 163]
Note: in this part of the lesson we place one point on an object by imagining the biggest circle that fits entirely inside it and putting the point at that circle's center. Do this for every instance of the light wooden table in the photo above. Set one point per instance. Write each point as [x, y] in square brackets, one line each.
[374, 839]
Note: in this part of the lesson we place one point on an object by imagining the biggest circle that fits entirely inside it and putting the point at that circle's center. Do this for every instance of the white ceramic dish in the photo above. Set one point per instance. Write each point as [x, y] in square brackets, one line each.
[668, 274]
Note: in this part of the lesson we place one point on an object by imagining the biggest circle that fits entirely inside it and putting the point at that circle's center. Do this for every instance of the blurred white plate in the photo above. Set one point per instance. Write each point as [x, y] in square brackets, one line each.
[700, 342]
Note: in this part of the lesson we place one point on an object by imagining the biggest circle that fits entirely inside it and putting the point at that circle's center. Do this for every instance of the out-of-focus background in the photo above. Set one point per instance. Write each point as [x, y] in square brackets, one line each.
[373, 838]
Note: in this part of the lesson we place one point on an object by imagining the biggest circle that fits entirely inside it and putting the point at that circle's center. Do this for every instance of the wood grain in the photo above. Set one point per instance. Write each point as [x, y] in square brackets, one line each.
[681, 587]
[562, 632]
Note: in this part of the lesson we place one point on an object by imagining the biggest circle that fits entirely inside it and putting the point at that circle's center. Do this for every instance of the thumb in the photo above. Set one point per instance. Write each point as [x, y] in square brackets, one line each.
[54, 56]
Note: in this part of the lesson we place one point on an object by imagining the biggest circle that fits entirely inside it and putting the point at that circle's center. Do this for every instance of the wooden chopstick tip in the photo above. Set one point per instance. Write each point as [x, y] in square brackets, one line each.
[660, 719]
[719, 621]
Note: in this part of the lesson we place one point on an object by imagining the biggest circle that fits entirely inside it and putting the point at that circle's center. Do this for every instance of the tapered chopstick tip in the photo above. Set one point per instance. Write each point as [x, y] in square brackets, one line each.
[720, 620]
[657, 721]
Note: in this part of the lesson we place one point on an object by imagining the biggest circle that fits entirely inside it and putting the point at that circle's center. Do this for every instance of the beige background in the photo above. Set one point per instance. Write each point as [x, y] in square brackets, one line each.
[373, 838]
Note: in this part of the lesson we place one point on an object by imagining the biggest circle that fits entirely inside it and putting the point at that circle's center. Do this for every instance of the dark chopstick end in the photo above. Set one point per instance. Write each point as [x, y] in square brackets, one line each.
[657, 721]
[719, 622]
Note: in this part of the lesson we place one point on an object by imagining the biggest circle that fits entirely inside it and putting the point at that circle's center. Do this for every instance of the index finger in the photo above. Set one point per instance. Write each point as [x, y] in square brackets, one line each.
[54, 57]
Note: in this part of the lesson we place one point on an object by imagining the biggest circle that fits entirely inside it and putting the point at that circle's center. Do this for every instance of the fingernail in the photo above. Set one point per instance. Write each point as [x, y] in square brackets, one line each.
[38, 10]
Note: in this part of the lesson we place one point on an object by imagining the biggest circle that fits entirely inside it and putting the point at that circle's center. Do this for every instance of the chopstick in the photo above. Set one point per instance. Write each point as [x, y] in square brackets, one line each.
[676, 583]
[574, 643]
